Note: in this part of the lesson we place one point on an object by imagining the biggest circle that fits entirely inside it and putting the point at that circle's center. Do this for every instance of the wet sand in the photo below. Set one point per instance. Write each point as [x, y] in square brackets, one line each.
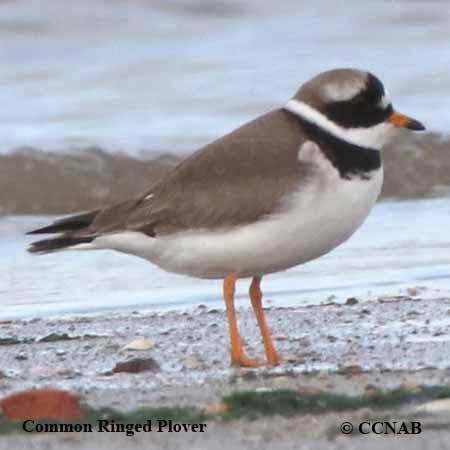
[384, 343]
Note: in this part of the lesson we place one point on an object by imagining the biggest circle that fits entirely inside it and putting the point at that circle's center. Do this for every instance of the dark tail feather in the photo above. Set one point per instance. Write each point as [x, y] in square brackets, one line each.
[69, 227]
[68, 224]
[59, 243]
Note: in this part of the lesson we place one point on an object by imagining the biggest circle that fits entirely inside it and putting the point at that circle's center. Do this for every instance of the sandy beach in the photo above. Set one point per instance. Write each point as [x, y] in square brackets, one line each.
[348, 348]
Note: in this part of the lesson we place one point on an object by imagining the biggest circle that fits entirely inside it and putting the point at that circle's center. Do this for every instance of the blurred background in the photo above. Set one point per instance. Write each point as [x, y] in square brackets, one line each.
[149, 78]
[100, 97]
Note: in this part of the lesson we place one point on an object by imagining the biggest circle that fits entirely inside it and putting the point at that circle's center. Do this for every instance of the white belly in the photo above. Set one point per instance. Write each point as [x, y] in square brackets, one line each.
[318, 217]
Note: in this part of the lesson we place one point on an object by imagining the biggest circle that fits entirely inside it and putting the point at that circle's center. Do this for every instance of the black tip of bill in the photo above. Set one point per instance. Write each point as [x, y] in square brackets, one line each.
[415, 125]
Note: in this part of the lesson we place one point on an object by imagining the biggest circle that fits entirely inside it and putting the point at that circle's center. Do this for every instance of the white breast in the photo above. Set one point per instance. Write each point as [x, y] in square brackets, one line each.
[320, 215]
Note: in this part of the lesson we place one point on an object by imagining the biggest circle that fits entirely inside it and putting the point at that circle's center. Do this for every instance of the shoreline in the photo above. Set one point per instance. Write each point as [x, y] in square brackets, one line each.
[344, 349]
[86, 178]
[386, 335]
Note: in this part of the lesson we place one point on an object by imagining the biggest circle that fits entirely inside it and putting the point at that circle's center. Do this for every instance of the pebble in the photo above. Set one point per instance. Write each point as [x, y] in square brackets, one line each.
[139, 344]
[434, 407]
[282, 379]
[351, 301]
[281, 337]
[309, 391]
[137, 365]
[293, 359]
[53, 337]
[350, 370]
[410, 385]
[68, 373]
[412, 292]
[215, 408]
[38, 404]
[191, 363]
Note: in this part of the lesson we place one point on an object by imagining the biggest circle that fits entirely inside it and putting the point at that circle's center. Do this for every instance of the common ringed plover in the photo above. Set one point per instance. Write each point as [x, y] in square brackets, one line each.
[279, 191]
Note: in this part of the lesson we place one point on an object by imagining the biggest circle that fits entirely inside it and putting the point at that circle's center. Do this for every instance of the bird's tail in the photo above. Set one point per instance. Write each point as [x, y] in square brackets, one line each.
[72, 231]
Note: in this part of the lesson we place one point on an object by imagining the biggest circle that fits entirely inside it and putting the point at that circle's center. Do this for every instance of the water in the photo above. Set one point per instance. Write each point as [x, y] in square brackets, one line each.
[401, 245]
[155, 76]
[132, 75]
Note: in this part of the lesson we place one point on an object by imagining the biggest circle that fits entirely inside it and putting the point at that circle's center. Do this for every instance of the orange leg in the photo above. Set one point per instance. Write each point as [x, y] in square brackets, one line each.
[255, 297]
[238, 357]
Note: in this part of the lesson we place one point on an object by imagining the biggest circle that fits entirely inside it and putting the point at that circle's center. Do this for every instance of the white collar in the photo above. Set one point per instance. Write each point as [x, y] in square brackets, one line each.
[373, 137]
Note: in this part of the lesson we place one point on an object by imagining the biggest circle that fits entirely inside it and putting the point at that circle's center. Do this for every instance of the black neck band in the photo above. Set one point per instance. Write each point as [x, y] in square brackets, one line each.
[349, 159]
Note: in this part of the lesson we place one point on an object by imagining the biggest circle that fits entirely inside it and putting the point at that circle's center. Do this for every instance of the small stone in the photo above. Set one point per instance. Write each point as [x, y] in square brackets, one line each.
[112, 346]
[53, 337]
[137, 365]
[350, 370]
[68, 373]
[412, 292]
[309, 391]
[281, 337]
[215, 409]
[191, 363]
[282, 379]
[434, 407]
[351, 301]
[166, 331]
[22, 356]
[292, 359]
[139, 344]
[410, 385]
[60, 352]
[370, 389]
[38, 404]
[263, 389]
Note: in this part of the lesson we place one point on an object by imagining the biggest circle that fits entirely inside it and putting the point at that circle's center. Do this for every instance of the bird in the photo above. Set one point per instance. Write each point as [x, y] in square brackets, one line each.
[279, 191]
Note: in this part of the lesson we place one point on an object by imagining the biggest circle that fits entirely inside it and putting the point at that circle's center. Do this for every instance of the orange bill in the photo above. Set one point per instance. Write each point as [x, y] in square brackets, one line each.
[401, 121]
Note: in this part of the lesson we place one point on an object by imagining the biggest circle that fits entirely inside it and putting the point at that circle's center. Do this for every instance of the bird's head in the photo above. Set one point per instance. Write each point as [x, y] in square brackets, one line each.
[352, 105]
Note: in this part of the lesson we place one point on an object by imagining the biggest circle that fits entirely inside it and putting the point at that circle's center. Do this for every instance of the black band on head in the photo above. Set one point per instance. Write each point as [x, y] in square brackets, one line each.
[363, 110]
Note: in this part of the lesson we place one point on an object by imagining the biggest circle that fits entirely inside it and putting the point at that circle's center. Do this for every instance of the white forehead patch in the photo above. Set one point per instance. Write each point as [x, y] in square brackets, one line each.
[385, 101]
[342, 91]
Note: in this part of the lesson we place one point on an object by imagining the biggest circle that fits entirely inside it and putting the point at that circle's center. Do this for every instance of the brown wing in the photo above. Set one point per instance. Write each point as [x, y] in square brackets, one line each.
[234, 180]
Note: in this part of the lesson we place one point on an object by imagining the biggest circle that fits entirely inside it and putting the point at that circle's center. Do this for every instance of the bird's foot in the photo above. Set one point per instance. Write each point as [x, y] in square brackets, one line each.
[274, 360]
[242, 360]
